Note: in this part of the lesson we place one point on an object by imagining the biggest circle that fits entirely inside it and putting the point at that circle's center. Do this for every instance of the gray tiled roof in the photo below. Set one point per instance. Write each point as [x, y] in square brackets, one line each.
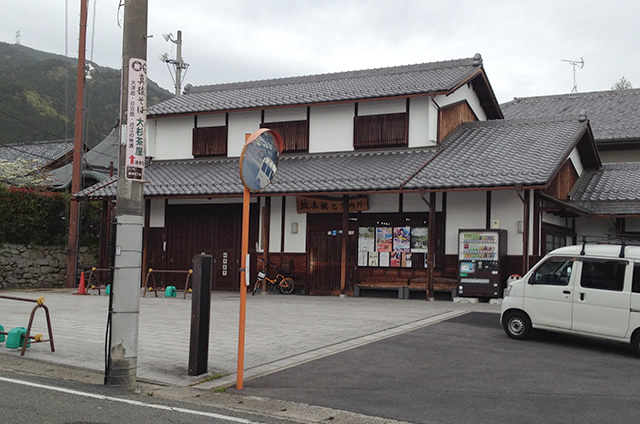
[96, 161]
[349, 171]
[614, 189]
[480, 154]
[43, 152]
[501, 153]
[312, 89]
[302, 173]
[614, 115]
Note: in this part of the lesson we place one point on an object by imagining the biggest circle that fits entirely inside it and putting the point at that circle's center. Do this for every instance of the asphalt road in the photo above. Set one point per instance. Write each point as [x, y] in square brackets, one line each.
[466, 370]
[29, 399]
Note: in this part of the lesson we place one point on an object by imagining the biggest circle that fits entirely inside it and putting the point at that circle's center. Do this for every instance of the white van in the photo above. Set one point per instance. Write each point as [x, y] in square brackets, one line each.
[590, 290]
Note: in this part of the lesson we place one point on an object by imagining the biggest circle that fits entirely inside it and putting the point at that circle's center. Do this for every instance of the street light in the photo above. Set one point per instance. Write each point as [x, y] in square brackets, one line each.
[178, 64]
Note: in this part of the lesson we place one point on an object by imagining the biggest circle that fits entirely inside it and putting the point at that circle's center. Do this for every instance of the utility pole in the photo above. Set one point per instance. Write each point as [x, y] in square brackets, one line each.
[76, 177]
[178, 63]
[124, 307]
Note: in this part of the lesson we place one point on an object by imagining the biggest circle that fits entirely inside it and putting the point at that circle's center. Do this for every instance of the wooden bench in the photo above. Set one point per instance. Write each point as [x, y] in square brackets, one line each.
[400, 286]
[440, 284]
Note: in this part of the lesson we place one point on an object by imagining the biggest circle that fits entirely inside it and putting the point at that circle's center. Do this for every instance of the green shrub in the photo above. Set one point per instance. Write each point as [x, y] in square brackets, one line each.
[29, 216]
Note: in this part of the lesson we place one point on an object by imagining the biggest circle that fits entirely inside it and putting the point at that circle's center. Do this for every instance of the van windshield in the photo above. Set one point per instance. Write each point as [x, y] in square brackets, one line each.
[553, 272]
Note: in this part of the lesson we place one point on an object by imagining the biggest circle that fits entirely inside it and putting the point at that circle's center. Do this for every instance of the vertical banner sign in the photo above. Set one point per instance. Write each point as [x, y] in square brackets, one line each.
[136, 119]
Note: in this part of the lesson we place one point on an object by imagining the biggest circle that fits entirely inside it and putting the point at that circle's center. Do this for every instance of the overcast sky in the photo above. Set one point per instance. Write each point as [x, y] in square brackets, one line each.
[523, 42]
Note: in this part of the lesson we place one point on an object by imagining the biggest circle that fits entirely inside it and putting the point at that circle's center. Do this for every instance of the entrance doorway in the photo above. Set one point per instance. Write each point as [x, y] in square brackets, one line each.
[215, 230]
[325, 254]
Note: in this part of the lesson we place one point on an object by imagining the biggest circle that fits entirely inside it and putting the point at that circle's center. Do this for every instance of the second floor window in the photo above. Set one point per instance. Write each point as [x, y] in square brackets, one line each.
[210, 141]
[295, 134]
[386, 130]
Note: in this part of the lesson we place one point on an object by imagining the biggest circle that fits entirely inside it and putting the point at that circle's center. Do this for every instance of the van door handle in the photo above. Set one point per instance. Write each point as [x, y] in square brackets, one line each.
[566, 292]
[582, 295]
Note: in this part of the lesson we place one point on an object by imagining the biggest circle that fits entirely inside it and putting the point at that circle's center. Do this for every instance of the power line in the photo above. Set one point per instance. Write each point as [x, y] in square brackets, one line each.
[27, 124]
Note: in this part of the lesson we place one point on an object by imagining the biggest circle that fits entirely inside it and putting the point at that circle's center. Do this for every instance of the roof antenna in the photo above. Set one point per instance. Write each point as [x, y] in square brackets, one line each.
[574, 64]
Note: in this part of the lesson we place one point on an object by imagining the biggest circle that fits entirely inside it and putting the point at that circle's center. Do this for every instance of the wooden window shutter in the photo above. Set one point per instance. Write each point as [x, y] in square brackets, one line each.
[295, 134]
[386, 130]
[210, 141]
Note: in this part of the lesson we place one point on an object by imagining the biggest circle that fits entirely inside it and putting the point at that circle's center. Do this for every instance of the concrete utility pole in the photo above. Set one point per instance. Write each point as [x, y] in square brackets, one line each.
[125, 302]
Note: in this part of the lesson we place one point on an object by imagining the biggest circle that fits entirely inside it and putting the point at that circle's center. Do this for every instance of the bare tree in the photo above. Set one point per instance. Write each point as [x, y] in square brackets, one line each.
[622, 84]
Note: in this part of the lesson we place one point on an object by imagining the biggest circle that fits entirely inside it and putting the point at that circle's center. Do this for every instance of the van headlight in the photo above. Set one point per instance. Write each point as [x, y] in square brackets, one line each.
[507, 291]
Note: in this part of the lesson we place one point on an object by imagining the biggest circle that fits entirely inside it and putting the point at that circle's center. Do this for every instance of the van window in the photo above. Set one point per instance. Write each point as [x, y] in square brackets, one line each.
[635, 286]
[553, 272]
[603, 274]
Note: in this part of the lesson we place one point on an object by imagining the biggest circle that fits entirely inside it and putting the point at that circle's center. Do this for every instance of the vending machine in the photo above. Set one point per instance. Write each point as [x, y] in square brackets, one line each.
[482, 258]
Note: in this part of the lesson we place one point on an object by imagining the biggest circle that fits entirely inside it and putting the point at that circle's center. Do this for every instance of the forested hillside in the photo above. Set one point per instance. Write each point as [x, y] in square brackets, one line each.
[38, 97]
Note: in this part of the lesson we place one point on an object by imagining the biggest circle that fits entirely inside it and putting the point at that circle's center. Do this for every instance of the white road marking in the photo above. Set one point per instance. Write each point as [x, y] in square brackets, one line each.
[130, 402]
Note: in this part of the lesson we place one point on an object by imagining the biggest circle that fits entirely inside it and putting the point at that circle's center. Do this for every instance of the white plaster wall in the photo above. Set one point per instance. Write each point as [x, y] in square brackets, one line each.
[422, 132]
[576, 160]
[632, 224]
[465, 210]
[615, 156]
[433, 122]
[383, 203]
[212, 120]
[553, 219]
[156, 213]
[331, 128]
[294, 243]
[173, 138]
[275, 226]
[594, 227]
[412, 202]
[283, 115]
[150, 141]
[507, 209]
[240, 124]
[212, 201]
[463, 93]
[380, 107]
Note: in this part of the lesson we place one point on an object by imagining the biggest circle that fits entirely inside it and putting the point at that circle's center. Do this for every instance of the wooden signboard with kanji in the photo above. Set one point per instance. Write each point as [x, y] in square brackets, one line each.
[305, 204]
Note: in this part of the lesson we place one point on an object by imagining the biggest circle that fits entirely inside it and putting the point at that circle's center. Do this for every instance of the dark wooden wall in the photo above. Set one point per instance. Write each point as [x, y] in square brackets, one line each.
[452, 116]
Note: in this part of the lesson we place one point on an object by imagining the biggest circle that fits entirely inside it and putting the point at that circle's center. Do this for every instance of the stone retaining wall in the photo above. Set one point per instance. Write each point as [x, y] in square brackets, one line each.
[28, 267]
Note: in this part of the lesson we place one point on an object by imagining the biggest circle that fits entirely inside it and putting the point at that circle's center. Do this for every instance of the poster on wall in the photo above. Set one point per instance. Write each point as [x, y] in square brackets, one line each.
[367, 239]
[406, 260]
[363, 258]
[396, 258]
[384, 239]
[401, 239]
[373, 258]
[419, 239]
[385, 259]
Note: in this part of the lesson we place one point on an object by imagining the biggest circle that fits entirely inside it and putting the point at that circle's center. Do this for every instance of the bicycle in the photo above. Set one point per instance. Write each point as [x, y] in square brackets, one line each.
[285, 284]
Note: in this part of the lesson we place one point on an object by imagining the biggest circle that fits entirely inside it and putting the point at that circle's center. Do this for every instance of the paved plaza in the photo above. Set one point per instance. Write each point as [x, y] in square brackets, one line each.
[281, 331]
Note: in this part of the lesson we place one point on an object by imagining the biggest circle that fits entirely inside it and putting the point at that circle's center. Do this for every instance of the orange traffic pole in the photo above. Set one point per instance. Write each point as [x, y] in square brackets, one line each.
[243, 287]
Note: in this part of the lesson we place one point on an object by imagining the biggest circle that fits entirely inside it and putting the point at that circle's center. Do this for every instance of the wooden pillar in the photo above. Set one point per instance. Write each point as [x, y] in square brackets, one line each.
[536, 225]
[345, 238]
[266, 220]
[487, 224]
[431, 243]
[525, 234]
[282, 230]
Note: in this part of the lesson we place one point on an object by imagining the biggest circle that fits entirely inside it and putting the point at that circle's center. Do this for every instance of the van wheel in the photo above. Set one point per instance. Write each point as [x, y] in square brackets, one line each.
[517, 325]
[635, 342]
